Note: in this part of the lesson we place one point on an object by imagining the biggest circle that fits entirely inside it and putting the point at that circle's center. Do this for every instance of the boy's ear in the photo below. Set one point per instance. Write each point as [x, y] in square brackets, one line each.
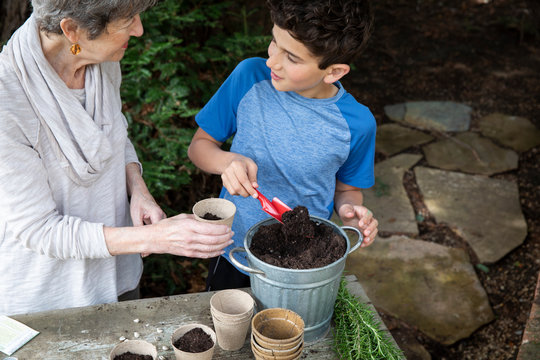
[336, 72]
[70, 29]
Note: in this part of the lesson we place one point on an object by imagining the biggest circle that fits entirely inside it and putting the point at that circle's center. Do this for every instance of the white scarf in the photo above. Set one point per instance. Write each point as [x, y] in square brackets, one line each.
[77, 135]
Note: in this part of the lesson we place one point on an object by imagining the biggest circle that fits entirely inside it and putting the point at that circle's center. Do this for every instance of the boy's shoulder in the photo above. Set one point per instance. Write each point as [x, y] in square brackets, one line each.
[356, 113]
[252, 63]
[254, 69]
[349, 101]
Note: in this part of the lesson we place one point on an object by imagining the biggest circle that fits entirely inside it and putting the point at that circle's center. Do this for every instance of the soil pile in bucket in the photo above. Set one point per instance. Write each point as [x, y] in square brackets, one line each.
[298, 243]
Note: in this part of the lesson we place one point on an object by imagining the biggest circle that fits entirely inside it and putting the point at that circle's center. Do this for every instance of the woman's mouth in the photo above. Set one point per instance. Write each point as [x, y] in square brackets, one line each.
[274, 76]
[125, 45]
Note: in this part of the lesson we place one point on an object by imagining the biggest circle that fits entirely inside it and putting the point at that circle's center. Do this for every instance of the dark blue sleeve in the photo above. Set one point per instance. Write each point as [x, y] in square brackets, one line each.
[218, 116]
[359, 168]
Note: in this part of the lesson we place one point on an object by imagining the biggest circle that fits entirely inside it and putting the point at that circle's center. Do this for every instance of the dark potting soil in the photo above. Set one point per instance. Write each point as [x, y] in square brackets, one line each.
[194, 341]
[210, 216]
[131, 356]
[298, 243]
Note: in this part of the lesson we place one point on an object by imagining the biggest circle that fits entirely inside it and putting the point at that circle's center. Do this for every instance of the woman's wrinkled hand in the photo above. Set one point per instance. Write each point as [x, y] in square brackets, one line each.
[184, 236]
[144, 210]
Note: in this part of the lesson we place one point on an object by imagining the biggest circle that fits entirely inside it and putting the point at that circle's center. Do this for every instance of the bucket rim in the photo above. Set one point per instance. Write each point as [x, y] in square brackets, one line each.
[271, 220]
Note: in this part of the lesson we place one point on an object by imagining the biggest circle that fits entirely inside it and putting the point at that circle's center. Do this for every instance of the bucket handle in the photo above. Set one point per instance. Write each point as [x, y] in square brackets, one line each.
[360, 237]
[241, 266]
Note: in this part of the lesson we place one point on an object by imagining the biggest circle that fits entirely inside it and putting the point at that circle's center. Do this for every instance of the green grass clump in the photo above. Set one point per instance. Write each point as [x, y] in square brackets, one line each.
[357, 333]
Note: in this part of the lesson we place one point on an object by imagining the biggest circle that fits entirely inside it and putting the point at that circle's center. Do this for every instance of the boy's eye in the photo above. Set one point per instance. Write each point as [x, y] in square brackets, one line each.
[291, 59]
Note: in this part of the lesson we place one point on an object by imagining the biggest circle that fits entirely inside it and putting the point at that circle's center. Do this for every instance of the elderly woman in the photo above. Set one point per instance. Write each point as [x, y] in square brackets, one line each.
[70, 181]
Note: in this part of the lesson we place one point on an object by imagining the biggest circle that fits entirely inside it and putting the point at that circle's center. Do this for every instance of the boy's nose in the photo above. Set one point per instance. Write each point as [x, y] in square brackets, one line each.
[272, 61]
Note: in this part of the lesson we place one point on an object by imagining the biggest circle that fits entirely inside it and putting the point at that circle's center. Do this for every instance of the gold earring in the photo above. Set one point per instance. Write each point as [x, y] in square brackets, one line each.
[75, 49]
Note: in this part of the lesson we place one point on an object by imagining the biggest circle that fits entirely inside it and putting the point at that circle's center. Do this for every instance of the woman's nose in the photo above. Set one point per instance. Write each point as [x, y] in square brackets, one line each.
[137, 28]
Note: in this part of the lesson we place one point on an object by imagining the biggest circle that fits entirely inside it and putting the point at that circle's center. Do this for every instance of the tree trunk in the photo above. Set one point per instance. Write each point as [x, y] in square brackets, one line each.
[13, 13]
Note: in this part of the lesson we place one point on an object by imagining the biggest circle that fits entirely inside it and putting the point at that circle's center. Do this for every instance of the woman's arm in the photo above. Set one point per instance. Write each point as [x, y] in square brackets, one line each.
[143, 207]
[179, 235]
[31, 216]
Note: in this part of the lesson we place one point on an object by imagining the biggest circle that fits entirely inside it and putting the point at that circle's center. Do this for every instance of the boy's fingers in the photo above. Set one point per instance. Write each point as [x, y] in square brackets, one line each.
[346, 211]
[252, 169]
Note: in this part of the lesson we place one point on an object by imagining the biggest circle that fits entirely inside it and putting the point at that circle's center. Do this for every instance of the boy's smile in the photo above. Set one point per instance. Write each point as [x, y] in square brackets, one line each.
[294, 68]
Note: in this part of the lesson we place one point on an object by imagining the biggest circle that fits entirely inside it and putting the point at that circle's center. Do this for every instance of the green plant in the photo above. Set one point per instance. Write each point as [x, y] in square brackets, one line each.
[357, 333]
[188, 49]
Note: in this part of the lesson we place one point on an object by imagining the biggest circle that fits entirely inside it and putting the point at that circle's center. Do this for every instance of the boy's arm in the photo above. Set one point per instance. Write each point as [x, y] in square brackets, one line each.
[238, 172]
[348, 204]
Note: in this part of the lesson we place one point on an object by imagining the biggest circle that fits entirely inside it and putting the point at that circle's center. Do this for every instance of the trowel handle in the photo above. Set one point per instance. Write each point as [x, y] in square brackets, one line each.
[360, 237]
[241, 266]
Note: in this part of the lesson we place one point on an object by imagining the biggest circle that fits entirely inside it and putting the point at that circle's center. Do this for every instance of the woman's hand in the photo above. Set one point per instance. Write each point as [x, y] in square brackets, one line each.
[240, 176]
[361, 218]
[184, 236]
[144, 210]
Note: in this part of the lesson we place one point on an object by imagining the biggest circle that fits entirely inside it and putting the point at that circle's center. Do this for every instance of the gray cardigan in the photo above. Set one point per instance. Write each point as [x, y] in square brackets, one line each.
[52, 248]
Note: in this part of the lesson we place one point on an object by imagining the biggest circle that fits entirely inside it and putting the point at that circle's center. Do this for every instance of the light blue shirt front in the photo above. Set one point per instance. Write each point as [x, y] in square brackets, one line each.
[300, 145]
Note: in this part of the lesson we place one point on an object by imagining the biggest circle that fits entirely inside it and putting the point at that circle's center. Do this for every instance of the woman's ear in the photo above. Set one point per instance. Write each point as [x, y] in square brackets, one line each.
[71, 30]
[336, 72]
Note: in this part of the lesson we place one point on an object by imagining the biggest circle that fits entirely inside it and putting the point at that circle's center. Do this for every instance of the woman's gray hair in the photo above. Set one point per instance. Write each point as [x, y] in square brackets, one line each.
[91, 15]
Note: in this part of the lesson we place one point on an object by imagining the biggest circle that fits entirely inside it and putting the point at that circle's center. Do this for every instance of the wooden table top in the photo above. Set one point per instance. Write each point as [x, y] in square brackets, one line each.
[92, 332]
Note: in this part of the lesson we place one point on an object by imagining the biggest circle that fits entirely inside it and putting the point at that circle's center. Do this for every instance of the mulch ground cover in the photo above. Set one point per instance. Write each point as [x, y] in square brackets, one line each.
[485, 54]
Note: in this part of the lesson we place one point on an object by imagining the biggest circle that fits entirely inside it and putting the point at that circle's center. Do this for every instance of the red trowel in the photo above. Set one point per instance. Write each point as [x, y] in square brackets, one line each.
[275, 208]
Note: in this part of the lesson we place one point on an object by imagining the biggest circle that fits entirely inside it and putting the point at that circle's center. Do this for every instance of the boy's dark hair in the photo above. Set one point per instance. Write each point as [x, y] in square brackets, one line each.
[336, 31]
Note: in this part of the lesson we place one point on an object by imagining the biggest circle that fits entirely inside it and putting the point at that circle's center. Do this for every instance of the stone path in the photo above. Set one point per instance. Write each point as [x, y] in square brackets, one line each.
[432, 287]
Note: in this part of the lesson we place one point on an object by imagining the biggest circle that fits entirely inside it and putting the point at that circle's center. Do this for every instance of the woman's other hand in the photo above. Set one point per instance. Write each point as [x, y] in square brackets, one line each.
[144, 209]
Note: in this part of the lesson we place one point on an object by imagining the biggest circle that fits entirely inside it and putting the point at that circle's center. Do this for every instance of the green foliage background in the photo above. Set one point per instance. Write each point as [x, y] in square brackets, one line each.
[188, 49]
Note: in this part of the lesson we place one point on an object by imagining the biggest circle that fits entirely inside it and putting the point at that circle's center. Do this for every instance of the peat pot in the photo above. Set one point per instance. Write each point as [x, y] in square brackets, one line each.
[311, 293]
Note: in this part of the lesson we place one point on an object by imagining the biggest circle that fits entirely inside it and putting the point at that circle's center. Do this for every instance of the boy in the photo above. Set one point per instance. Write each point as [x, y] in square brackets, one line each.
[296, 130]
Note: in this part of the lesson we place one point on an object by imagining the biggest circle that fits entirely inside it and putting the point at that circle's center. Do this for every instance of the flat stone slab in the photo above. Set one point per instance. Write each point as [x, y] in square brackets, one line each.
[394, 138]
[431, 287]
[515, 132]
[436, 115]
[470, 153]
[484, 212]
[388, 199]
[530, 345]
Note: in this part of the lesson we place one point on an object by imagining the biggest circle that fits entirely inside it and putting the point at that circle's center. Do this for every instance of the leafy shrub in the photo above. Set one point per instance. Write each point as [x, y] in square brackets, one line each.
[187, 50]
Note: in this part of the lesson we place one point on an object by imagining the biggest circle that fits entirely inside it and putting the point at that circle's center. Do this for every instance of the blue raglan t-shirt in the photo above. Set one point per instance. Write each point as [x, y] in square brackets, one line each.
[300, 145]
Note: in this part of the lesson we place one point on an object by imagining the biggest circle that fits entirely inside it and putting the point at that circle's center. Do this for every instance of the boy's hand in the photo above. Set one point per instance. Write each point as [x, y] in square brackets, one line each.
[361, 218]
[240, 176]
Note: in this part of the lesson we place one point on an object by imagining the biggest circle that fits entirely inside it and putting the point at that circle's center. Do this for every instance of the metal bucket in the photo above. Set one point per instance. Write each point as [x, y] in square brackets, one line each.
[311, 293]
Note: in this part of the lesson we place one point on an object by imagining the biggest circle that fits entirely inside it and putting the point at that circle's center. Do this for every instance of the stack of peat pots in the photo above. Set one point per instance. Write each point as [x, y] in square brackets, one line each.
[277, 334]
[231, 311]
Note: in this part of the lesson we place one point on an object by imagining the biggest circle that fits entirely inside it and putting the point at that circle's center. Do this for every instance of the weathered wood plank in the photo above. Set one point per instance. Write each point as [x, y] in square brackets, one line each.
[91, 332]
